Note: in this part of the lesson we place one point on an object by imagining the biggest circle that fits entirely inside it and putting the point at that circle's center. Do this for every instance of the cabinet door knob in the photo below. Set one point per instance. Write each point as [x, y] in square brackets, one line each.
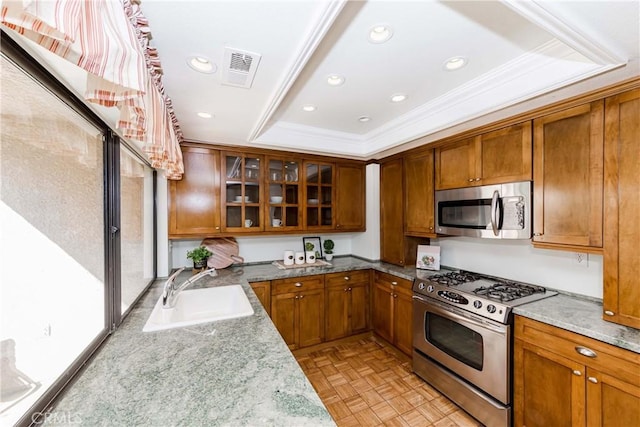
[338, 226]
[346, 289]
[301, 296]
[577, 373]
[395, 295]
[609, 313]
[586, 352]
[296, 297]
[298, 285]
[537, 234]
[347, 278]
[394, 283]
[593, 380]
[477, 179]
[349, 289]
[217, 227]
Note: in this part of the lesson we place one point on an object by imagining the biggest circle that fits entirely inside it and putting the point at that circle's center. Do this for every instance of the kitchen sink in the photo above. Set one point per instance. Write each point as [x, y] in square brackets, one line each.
[196, 306]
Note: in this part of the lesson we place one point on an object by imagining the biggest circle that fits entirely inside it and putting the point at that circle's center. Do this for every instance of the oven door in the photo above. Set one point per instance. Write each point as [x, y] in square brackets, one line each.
[475, 348]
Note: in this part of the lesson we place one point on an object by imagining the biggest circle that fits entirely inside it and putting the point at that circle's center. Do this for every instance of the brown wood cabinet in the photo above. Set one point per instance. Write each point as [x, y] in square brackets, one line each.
[347, 303]
[622, 209]
[263, 292]
[350, 197]
[226, 193]
[297, 310]
[419, 210]
[568, 179]
[494, 157]
[392, 310]
[392, 248]
[562, 378]
[194, 201]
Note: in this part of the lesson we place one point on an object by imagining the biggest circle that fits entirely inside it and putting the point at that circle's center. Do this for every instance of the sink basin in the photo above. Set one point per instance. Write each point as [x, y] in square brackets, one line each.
[196, 306]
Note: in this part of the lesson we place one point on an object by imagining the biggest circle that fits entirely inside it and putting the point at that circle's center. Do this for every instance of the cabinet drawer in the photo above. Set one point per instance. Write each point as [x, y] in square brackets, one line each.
[339, 279]
[391, 280]
[296, 284]
[606, 358]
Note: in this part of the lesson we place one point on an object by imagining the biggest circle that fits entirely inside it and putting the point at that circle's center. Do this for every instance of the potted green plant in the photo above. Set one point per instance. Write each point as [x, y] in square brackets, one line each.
[199, 256]
[328, 249]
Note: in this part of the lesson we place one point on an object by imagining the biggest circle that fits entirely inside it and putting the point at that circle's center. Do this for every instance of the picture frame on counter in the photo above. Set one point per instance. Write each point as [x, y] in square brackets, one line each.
[428, 257]
[315, 242]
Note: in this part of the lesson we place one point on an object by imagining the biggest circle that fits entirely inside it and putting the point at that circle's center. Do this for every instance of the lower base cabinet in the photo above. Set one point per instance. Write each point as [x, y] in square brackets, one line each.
[263, 292]
[392, 310]
[347, 303]
[297, 310]
[562, 378]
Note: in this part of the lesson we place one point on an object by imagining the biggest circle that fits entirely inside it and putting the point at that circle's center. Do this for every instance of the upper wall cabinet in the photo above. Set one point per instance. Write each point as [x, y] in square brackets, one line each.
[350, 197]
[622, 209]
[419, 201]
[391, 212]
[233, 192]
[495, 157]
[568, 179]
[242, 192]
[194, 201]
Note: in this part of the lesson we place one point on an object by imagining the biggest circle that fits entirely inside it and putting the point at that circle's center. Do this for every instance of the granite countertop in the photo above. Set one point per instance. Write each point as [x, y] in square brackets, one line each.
[240, 371]
[582, 316]
[231, 372]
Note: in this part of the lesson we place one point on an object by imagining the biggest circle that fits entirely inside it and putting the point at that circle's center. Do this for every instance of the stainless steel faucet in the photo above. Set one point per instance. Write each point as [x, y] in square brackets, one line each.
[170, 292]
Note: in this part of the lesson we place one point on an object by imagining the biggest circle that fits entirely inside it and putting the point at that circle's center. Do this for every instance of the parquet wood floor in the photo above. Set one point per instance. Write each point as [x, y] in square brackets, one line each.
[369, 383]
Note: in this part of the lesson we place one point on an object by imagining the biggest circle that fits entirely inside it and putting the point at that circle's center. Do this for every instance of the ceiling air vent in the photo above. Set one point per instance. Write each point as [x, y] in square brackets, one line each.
[239, 67]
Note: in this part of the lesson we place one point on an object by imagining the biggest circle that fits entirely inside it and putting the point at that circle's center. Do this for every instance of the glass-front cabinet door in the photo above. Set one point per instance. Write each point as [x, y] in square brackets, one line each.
[319, 194]
[242, 193]
[283, 209]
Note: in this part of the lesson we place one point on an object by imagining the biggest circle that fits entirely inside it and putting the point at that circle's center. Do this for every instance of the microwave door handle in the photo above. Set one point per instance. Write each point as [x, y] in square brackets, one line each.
[494, 211]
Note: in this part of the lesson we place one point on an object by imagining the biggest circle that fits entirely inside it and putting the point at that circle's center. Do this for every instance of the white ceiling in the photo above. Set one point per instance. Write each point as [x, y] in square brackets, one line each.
[519, 53]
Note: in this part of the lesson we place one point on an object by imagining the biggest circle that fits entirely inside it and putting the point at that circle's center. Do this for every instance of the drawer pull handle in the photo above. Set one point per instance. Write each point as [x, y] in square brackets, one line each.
[347, 278]
[586, 352]
[298, 285]
[394, 283]
[593, 380]
[577, 373]
[609, 313]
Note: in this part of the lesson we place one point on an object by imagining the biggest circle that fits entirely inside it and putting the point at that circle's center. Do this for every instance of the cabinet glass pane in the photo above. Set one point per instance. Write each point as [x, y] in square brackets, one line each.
[312, 174]
[291, 216]
[326, 216]
[252, 214]
[234, 193]
[252, 193]
[233, 167]
[251, 169]
[275, 215]
[312, 195]
[312, 217]
[291, 171]
[291, 194]
[275, 170]
[275, 193]
[325, 174]
[234, 216]
[326, 195]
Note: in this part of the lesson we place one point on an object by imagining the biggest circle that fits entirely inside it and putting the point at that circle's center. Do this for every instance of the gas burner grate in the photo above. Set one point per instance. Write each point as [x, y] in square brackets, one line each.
[453, 278]
[508, 291]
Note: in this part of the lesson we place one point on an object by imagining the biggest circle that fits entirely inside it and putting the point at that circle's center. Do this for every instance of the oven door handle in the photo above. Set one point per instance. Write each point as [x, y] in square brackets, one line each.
[468, 319]
[495, 207]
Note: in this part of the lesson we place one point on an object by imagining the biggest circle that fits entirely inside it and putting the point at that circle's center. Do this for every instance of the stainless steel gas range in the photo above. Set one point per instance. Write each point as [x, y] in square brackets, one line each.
[462, 339]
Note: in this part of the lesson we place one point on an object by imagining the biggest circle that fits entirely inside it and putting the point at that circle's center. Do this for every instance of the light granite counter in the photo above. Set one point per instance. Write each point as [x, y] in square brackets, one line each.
[235, 372]
[582, 316]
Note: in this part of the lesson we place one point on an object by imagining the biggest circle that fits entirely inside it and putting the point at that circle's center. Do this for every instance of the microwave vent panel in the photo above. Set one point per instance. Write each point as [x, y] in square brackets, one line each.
[239, 67]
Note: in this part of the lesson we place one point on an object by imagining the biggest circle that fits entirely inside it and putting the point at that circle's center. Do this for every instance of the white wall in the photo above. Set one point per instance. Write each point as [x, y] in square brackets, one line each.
[367, 244]
[162, 226]
[260, 249]
[519, 260]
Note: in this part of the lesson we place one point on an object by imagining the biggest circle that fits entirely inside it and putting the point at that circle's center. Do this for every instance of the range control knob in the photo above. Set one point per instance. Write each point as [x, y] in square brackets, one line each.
[421, 286]
[430, 288]
[477, 304]
[491, 308]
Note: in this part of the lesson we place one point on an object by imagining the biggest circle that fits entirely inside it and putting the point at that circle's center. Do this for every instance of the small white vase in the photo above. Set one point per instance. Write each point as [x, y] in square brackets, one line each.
[328, 257]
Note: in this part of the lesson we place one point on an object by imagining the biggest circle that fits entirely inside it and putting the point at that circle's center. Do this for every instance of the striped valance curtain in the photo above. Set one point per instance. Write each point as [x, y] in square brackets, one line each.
[110, 40]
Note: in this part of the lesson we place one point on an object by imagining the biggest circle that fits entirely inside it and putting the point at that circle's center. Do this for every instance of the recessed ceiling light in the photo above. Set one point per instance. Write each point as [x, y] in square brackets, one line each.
[335, 80]
[205, 115]
[398, 97]
[380, 33]
[455, 63]
[309, 107]
[201, 64]
[364, 119]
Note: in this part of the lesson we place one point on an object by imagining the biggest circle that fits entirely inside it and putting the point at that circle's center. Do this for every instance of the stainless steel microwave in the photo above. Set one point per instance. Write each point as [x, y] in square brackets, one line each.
[501, 211]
